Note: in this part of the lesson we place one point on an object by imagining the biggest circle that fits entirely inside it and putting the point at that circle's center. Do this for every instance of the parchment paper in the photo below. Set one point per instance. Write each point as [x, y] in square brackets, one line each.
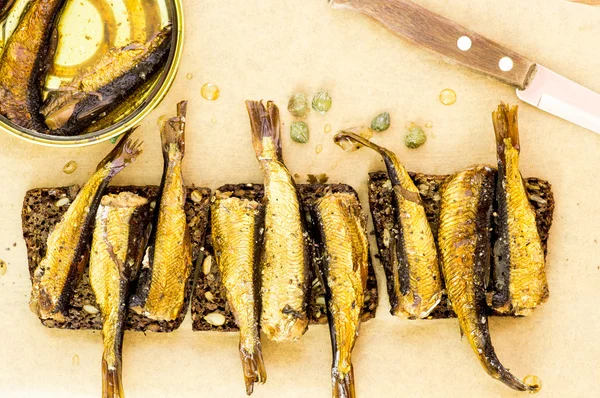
[271, 49]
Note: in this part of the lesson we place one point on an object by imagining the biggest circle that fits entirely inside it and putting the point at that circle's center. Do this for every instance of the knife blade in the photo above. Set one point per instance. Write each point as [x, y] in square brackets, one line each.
[535, 84]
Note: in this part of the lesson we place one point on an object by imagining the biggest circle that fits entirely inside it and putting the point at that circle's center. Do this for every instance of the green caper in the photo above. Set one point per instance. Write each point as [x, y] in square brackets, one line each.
[381, 122]
[415, 137]
[298, 105]
[322, 102]
[299, 132]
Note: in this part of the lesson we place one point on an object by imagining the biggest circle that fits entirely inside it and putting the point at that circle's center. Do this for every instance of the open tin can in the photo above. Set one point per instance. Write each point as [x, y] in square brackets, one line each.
[88, 29]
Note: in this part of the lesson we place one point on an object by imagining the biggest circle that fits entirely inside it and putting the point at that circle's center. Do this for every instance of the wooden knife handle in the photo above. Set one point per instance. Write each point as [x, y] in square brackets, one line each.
[441, 35]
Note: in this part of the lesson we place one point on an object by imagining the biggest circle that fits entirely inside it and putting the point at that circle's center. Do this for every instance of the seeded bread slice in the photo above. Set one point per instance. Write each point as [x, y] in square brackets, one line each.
[209, 296]
[380, 202]
[42, 209]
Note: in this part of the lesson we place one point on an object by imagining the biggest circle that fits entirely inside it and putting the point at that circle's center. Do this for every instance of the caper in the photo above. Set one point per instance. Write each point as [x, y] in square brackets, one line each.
[322, 102]
[298, 105]
[415, 137]
[299, 132]
[381, 122]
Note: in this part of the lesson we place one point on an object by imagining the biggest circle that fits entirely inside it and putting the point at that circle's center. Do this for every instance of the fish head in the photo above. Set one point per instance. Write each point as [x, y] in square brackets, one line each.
[60, 107]
[46, 307]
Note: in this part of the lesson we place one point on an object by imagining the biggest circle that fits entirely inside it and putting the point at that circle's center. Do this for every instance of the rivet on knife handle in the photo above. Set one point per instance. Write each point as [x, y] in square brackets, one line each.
[447, 38]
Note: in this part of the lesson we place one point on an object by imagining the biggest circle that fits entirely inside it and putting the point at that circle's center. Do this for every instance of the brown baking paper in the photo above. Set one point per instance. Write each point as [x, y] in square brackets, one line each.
[271, 49]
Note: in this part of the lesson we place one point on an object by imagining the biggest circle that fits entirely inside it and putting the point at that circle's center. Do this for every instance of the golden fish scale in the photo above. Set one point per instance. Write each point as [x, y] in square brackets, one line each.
[457, 242]
[421, 253]
[112, 226]
[528, 285]
[283, 262]
[348, 256]
[114, 64]
[13, 76]
[233, 233]
[63, 241]
[172, 262]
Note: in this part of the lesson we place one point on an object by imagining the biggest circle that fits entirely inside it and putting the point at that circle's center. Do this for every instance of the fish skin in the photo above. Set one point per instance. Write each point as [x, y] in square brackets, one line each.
[120, 235]
[519, 281]
[57, 275]
[166, 268]
[101, 87]
[417, 287]
[24, 62]
[236, 235]
[285, 258]
[341, 227]
[125, 107]
[464, 243]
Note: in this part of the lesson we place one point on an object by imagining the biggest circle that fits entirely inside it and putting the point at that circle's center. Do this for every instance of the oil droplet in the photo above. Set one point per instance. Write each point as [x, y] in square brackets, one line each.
[213, 120]
[70, 167]
[327, 128]
[189, 76]
[162, 120]
[448, 97]
[210, 91]
[429, 124]
[75, 360]
[3, 268]
[533, 381]
[318, 149]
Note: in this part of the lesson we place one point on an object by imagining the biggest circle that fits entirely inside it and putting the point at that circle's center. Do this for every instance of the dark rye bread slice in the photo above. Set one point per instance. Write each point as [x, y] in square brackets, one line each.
[380, 202]
[39, 215]
[209, 296]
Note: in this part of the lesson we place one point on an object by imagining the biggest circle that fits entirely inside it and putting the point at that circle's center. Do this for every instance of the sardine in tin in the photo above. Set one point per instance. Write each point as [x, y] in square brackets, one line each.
[153, 13]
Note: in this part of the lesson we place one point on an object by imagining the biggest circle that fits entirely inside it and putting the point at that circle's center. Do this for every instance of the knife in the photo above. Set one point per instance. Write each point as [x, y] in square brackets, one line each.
[535, 84]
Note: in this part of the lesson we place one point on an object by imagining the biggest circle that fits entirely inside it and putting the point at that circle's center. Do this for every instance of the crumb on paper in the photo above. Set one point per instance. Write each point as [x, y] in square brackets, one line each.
[317, 178]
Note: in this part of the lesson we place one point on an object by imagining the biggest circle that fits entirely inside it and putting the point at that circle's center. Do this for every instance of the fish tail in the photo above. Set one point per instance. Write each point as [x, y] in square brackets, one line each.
[389, 158]
[516, 384]
[253, 366]
[499, 372]
[112, 382]
[124, 153]
[506, 125]
[357, 139]
[343, 384]
[266, 129]
[173, 130]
